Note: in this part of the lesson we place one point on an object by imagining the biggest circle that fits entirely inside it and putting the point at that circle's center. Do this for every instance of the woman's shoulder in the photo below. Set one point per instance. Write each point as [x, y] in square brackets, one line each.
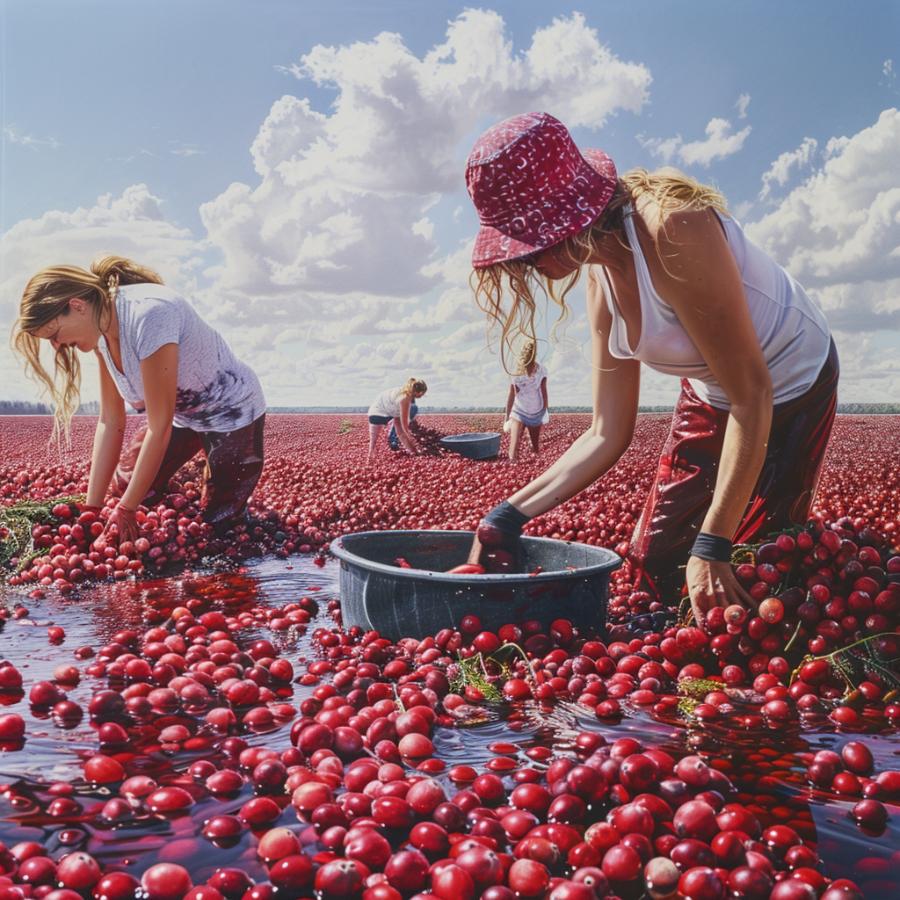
[146, 296]
[674, 228]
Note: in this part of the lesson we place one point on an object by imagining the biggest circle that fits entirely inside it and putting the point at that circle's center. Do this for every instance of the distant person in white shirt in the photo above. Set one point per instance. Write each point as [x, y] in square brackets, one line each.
[157, 354]
[526, 402]
[392, 407]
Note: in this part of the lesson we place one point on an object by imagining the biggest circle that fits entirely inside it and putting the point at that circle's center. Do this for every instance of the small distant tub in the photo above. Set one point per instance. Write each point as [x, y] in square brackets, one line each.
[474, 445]
[572, 583]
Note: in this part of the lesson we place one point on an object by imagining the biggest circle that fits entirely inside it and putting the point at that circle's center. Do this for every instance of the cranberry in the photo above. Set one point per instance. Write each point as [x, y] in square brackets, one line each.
[621, 863]
[166, 881]
[528, 878]
[701, 883]
[339, 878]
[407, 870]
[696, 819]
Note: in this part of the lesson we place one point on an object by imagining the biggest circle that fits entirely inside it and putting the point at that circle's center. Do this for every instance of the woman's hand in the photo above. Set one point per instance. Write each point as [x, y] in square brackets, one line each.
[713, 584]
[124, 521]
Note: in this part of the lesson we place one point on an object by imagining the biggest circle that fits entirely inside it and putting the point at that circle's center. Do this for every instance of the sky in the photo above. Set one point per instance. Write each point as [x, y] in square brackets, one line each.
[296, 169]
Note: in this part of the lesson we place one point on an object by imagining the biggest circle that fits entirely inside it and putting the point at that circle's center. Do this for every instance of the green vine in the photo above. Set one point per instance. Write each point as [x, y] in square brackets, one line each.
[473, 671]
[698, 688]
[853, 663]
[17, 522]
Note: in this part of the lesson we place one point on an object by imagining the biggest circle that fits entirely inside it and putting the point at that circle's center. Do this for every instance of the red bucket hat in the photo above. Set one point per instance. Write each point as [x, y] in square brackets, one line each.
[532, 187]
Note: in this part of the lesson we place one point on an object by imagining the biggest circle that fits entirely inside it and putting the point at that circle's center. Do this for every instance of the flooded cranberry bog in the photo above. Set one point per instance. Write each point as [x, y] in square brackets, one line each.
[185, 716]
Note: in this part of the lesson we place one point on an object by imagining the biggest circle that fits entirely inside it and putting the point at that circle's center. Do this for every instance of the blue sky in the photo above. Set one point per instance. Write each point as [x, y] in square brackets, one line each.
[300, 177]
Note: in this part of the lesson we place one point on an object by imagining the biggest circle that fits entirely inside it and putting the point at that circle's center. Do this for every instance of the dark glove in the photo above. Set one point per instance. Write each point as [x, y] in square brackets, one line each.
[498, 533]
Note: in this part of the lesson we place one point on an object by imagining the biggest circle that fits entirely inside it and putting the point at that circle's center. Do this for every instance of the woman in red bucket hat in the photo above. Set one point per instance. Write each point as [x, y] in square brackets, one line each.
[672, 282]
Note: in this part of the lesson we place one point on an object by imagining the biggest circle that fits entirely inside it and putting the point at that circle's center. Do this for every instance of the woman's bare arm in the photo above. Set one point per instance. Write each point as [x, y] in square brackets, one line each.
[510, 399]
[705, 290]
[108, 437]
[159, 374]
[401, 424]
[616, 385]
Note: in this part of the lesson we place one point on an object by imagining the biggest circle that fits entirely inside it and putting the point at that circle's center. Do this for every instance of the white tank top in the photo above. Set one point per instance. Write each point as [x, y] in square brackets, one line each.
[387, 403]
[792, 331]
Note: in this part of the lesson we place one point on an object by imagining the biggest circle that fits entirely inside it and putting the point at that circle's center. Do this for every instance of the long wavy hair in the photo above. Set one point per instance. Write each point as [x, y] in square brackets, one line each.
[47, 296]
[670, 189]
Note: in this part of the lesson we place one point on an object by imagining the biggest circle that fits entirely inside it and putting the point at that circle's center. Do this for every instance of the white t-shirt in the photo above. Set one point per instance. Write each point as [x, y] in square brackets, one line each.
[387, 403]
[529, 397]
[215, 390]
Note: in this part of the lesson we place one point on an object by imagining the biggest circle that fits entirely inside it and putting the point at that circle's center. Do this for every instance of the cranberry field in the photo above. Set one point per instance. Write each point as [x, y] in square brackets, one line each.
[182, 716]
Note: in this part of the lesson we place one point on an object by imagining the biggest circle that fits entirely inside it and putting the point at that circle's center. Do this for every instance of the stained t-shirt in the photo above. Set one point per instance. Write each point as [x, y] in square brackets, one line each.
[215, 390]
[529, 397]
[387, 403]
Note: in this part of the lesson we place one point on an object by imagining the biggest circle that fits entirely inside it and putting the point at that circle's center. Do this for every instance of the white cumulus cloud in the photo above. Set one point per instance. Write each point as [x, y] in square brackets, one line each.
[132, 224]
[838, 233]
[780, 170]
[342, 207]
[721, 141]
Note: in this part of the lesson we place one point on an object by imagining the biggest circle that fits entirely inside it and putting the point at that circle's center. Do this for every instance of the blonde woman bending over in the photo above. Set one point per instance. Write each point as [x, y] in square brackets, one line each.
[394, 406]
[673, 283]
[156, 353]
[526, 402]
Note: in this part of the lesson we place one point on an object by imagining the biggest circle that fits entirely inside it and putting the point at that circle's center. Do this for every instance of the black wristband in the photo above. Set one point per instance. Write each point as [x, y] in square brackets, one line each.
[712, 548]
[507, 518]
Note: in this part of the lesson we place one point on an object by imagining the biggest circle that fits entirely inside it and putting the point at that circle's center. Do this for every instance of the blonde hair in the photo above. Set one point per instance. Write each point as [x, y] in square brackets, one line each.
[671, 190]
[47, 296]
[527, 356]
[414, 386]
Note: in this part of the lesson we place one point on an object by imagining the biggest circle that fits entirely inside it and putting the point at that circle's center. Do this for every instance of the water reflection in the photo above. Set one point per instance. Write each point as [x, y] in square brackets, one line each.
[766, 765]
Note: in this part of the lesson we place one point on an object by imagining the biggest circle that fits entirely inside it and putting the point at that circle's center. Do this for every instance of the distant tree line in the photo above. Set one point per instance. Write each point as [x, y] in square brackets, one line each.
[23, 408]
[843, 408]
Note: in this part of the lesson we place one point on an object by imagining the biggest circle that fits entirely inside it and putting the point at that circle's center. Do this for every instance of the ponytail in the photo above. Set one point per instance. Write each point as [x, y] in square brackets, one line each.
[412, 387]
[47, 296]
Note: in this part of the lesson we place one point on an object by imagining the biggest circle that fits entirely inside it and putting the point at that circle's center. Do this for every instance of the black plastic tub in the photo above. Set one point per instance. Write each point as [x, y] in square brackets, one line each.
[417, 602]
[474, 445]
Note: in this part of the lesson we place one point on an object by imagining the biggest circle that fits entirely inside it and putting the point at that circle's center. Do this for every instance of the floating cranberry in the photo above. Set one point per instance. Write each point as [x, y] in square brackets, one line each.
[12, 727]
[78, 871]
[100, 769]
[701, 883]
[450, 882]
[235, 883]
[407, 870]
[792, 889]
[621, 863]
[166, 881]
[693, 771]
[483, 865]
[661, 877]
[169, 800]
[871, 814]
[696, 819]
[528, 878]
[116, 886]
[292, 873]
[222, 829]
[857, 757]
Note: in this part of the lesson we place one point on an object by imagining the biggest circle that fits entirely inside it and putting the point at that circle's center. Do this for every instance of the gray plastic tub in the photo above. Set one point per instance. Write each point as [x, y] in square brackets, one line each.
[417, 602]
[474, 445]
